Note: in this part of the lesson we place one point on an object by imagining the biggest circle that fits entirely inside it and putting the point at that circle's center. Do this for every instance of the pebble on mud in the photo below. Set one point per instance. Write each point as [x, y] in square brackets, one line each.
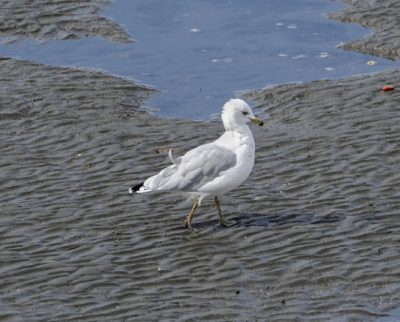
[388, 88]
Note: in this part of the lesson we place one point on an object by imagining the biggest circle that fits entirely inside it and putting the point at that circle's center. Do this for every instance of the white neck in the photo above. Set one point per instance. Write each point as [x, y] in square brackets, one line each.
[242, 129]
[237, 137]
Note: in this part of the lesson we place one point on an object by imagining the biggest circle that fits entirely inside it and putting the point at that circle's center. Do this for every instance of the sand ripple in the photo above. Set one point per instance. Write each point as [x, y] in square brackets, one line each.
[51, 19]
[316, 235]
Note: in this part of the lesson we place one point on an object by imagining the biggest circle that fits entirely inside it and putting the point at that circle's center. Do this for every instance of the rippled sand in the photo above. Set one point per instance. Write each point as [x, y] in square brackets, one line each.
[316, 234]
[52, 19]
[382, 17]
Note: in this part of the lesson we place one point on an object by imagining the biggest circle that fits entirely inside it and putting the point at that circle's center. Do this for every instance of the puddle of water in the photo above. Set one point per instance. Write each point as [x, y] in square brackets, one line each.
[199, 53]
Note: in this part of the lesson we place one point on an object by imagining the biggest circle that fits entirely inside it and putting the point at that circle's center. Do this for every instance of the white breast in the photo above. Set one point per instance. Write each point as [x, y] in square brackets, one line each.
[242, 144]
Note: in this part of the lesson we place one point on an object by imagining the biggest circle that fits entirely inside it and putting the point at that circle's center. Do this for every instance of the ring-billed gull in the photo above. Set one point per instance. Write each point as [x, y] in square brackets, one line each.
[214, 168]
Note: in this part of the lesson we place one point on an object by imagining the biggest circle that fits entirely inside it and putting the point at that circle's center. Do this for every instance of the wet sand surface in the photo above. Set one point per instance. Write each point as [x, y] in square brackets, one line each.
[380, 16]
[49, 19]
[316, 234]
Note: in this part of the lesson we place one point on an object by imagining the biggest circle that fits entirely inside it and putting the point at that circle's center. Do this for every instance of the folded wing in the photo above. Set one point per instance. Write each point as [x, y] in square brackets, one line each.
[192, 171]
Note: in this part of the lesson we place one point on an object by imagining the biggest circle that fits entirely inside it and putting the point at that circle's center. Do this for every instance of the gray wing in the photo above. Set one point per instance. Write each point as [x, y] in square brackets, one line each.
[193, 170]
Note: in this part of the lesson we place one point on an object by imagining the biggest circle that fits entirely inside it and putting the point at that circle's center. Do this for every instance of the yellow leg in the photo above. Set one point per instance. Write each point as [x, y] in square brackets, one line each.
[189, 218]
[221, 217]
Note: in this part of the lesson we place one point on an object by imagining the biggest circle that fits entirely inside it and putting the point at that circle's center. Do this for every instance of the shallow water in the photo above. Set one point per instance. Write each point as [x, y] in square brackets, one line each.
[200, 53]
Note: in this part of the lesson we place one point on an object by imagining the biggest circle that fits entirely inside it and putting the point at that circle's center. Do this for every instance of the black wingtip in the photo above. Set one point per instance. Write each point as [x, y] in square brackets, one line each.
[136, 188]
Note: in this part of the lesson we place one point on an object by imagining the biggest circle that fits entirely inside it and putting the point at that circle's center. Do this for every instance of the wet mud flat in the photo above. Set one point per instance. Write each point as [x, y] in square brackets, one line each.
[316, 234]
[48, 19]
[380, 16]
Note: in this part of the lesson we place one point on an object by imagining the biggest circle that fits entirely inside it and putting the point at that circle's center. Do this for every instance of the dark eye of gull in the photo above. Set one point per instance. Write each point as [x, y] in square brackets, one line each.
[245, 113]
